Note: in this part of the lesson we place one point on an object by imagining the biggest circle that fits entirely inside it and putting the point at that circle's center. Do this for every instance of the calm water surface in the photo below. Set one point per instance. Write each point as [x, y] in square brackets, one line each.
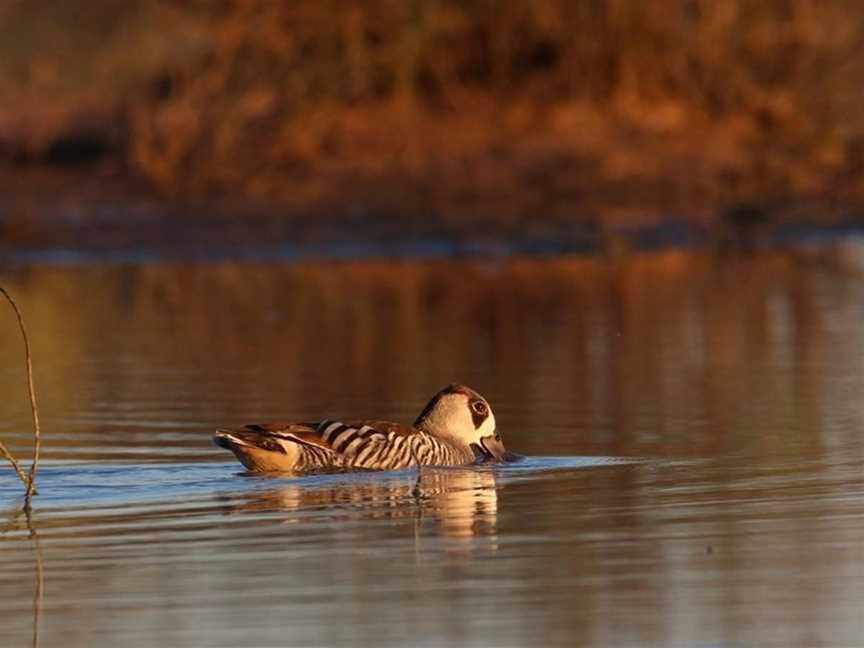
[694, 428]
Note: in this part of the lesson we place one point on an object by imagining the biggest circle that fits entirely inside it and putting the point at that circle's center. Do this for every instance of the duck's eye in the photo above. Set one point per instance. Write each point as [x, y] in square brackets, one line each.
[480, 407]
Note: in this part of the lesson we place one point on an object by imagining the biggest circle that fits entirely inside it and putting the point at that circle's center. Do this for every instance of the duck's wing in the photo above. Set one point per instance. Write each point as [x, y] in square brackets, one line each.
[349, 439]
[337, 437]
[268, 436]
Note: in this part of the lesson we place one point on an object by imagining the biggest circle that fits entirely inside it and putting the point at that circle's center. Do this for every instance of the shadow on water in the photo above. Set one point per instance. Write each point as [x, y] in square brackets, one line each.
[462, 503]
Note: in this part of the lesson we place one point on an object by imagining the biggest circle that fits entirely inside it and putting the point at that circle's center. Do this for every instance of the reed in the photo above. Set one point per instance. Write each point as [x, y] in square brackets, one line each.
[29, 480]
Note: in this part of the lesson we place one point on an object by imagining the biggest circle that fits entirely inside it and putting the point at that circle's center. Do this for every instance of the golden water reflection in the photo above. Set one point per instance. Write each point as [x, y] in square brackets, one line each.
[739, 379]
[651, 355]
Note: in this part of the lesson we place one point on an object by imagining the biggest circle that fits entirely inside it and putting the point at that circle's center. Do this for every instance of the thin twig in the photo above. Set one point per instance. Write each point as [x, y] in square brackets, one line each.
[12, 460]
[37, 437]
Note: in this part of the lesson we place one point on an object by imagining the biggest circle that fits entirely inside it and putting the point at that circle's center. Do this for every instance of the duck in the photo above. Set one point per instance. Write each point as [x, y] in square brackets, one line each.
[456, 428]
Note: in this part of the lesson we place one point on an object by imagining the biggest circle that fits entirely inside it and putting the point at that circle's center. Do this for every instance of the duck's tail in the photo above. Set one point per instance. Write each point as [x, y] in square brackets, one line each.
[228, 439]
[259, 451]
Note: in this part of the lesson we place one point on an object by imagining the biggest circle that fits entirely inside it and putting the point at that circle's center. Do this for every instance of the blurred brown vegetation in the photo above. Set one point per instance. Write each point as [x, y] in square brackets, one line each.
[564, 108]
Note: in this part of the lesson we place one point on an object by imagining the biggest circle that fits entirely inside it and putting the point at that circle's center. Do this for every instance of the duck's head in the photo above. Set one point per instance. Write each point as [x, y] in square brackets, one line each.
[463, 417]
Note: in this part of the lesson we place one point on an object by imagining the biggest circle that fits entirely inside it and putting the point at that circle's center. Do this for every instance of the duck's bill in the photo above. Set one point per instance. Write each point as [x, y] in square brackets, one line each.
[492, 448]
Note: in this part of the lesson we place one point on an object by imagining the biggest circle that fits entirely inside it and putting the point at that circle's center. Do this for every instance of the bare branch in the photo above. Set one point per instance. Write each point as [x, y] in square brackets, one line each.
[37, 437]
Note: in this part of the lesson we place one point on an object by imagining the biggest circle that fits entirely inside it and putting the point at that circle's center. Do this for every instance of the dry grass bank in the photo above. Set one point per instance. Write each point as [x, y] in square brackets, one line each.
[508, 109]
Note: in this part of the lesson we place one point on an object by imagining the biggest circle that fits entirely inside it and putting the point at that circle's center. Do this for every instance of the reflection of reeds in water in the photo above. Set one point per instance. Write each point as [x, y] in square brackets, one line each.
[14, 523]
[677, 343]
[39, 589]
[462, 501]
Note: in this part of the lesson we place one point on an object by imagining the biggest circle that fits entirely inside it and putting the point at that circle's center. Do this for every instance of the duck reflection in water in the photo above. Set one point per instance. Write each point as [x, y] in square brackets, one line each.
[463, 502]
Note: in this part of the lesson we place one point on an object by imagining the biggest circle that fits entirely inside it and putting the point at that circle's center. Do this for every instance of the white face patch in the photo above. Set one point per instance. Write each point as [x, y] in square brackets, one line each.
[488, 427]
[452, 418]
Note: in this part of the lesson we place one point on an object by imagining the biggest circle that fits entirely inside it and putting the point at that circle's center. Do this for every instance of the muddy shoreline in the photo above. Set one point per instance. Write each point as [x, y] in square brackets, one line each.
[101, 215]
